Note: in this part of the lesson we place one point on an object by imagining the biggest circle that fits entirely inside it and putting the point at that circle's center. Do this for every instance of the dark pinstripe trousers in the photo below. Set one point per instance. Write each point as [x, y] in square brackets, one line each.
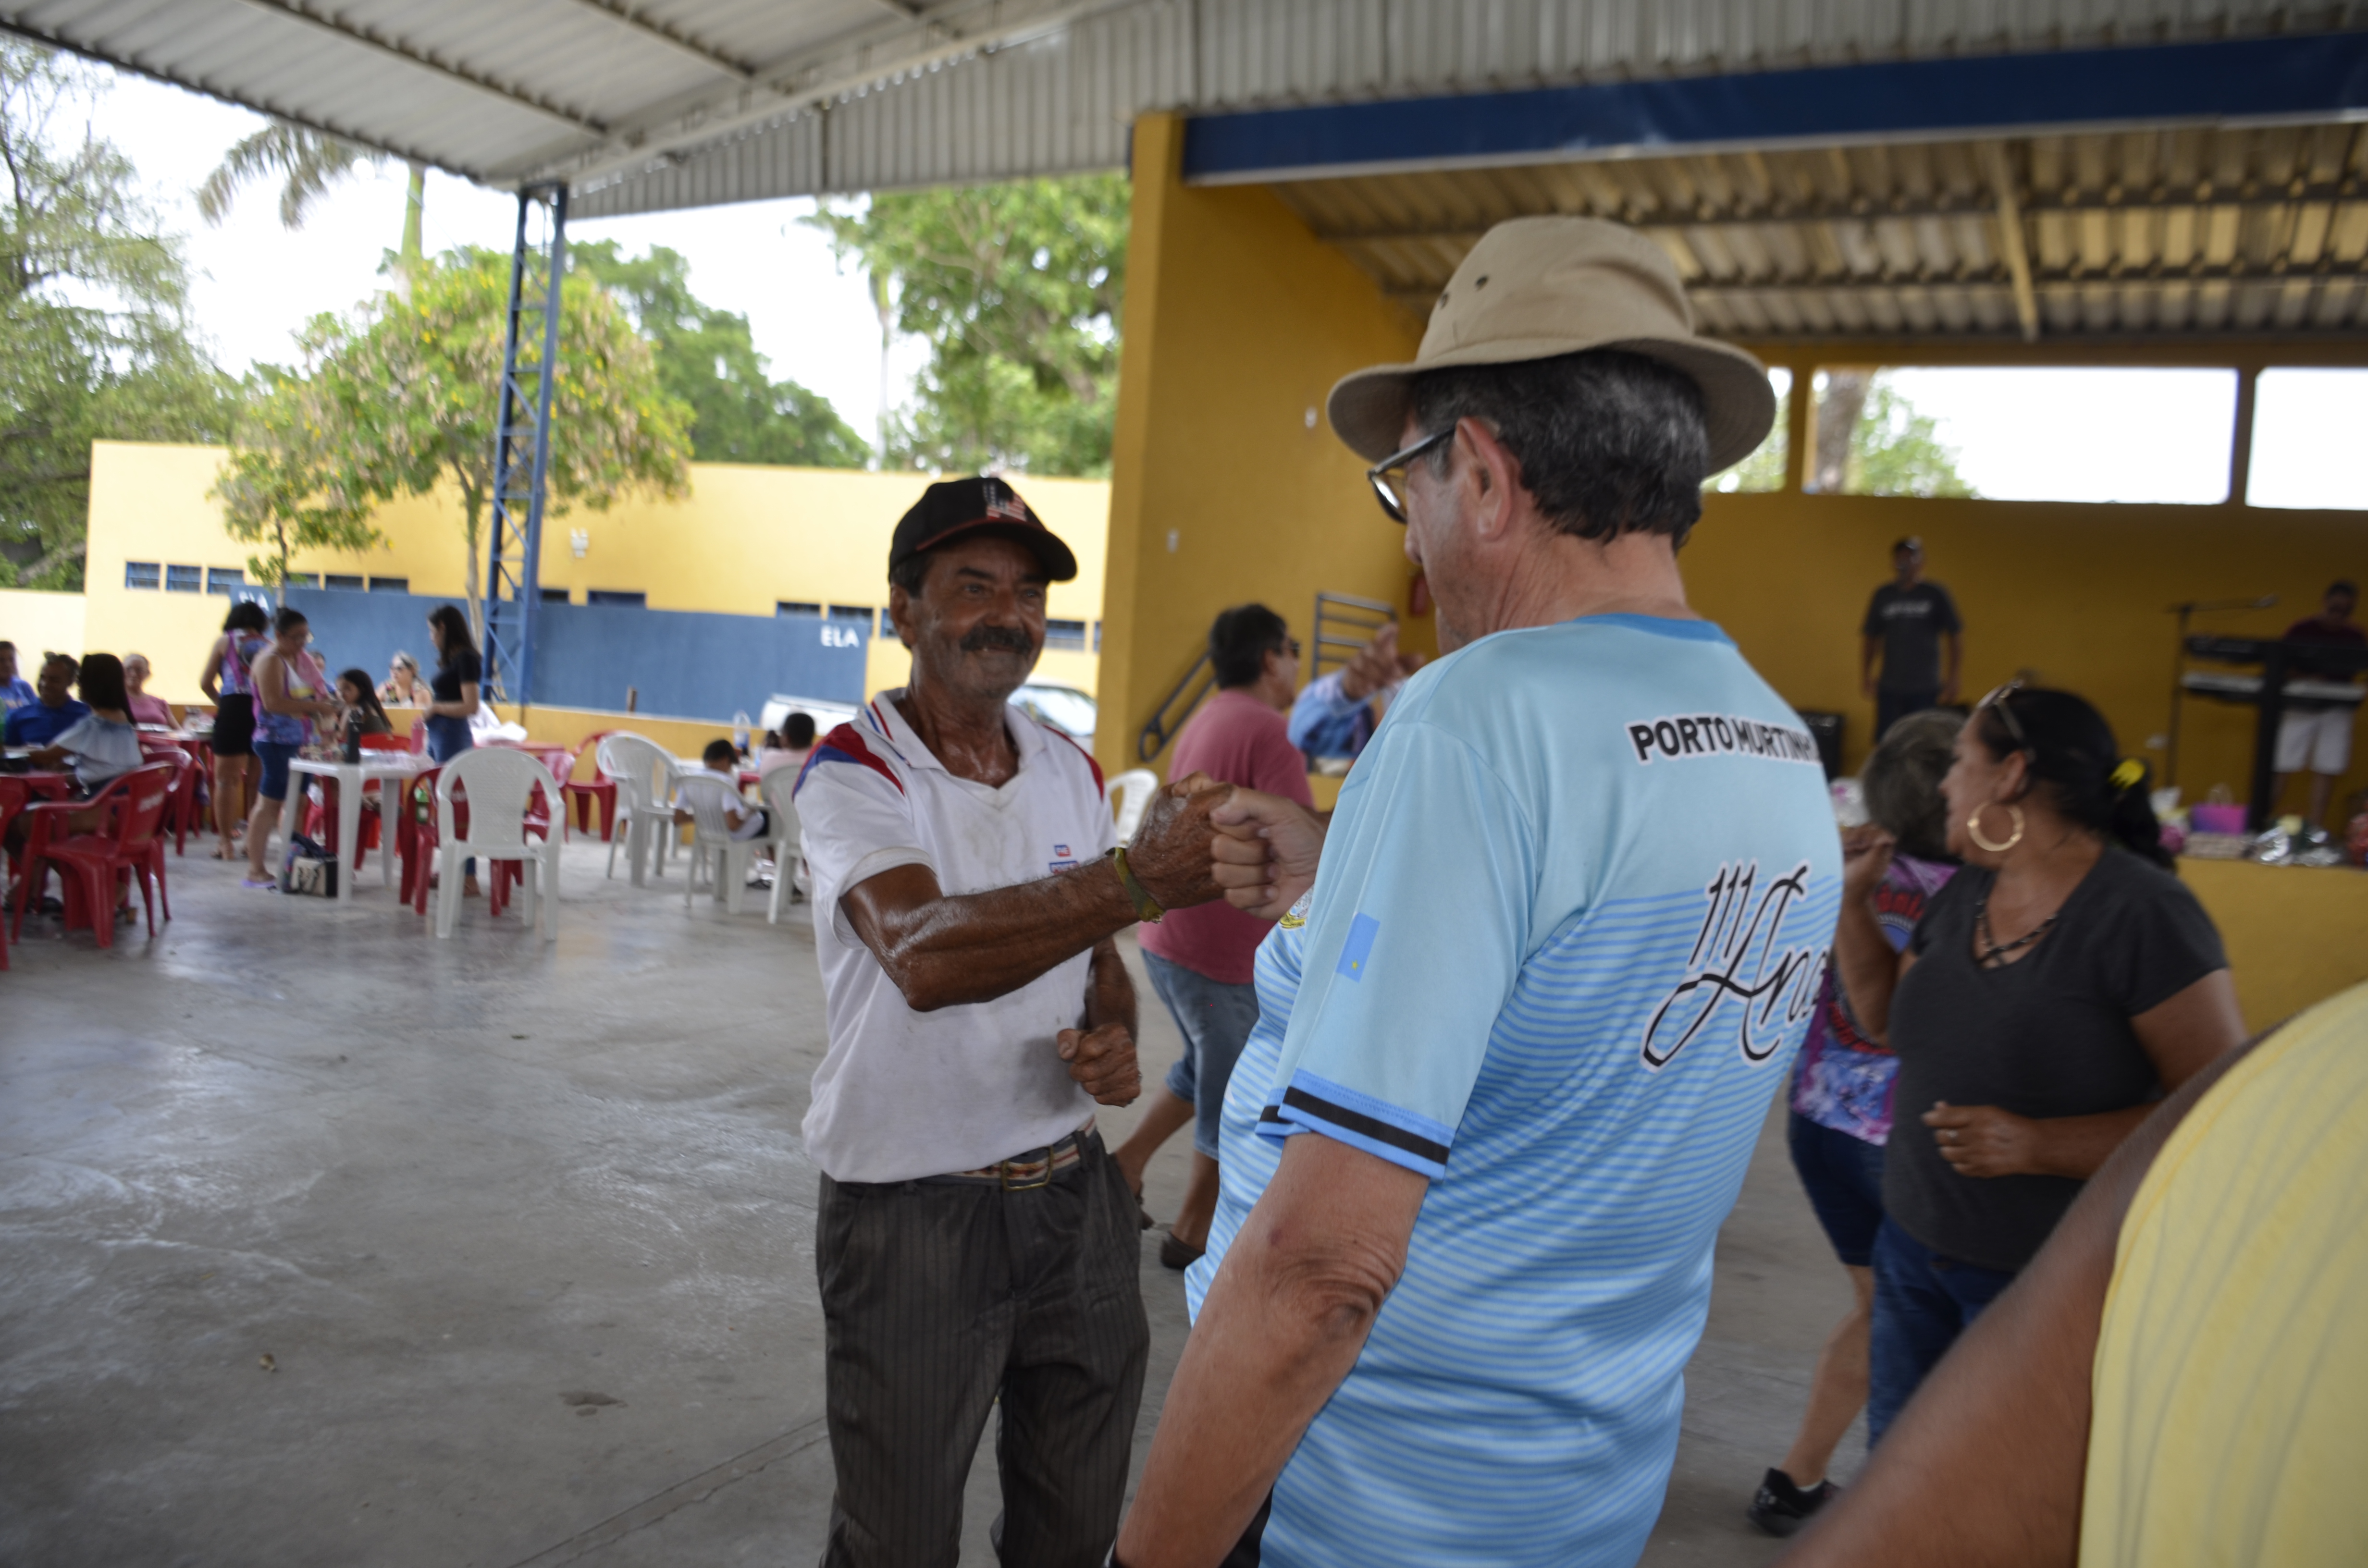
[942, 1299]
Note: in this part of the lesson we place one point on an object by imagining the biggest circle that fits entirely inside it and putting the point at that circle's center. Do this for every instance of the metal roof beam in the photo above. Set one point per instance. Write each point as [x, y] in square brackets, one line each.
[681, 43]
[365, 38]
[1862, 209]
[2056, 281]
[806, 80]
[2012, 245]
[2282, 78]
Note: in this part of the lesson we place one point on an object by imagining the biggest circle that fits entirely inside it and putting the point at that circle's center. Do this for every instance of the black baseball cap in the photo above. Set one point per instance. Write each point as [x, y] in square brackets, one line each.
[981, 503]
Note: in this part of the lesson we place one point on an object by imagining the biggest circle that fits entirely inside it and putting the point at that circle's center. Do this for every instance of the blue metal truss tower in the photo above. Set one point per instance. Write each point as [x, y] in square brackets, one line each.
[522, 443]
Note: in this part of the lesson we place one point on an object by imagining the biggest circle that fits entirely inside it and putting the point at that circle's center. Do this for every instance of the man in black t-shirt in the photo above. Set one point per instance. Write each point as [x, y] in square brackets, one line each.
[2315, 737]
[1910, 626]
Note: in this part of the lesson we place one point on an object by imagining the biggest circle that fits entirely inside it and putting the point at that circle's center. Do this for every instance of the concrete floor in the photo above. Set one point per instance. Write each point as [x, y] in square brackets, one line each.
[327, 1242]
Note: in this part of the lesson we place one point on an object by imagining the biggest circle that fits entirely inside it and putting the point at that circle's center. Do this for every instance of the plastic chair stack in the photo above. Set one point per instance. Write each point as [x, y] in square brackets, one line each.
[500, 786]
[646, 777]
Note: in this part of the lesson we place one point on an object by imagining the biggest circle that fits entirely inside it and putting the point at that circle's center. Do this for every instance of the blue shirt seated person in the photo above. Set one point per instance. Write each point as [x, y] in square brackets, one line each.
[722, 764]
[54, 710]
[15, 689]
[1338, 713]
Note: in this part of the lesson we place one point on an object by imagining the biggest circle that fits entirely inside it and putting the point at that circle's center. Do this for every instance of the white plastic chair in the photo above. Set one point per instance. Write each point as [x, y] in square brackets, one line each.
[711, 842]
[499, 784]
[1131, 792]
[646, 777]
[778, 788]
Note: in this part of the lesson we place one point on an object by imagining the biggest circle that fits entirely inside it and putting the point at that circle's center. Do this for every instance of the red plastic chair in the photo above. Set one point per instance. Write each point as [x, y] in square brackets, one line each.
[13, 796]
[415, 838]
[583, 795]
[89, 863]
[182, 810]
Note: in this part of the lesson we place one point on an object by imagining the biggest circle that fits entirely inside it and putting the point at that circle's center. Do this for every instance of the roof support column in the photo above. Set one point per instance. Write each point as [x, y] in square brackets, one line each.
[522, 446]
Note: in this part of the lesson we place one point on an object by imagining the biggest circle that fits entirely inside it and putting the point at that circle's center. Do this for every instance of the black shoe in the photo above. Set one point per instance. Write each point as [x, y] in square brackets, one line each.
[1780, 1507]
[1177, 1255]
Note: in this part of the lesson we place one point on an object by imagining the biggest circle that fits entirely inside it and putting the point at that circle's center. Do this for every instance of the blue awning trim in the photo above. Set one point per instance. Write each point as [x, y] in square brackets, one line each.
[2315, 76]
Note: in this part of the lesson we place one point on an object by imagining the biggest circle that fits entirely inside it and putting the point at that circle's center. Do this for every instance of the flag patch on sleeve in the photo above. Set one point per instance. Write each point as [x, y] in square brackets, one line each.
[1358, 952]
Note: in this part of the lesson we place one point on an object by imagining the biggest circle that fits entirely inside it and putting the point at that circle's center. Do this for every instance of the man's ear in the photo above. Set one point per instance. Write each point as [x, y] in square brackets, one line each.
[1496, 474]
[900, 613]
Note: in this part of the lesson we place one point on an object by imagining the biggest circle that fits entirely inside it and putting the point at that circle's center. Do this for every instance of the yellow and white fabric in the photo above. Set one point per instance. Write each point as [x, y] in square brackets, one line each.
[2231, 1369]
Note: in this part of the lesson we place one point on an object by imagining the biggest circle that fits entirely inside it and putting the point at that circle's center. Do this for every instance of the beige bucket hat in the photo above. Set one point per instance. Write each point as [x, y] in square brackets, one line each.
[1534, 287]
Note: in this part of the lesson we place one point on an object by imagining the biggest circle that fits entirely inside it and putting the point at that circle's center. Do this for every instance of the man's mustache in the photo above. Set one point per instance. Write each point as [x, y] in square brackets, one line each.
[1008, 638]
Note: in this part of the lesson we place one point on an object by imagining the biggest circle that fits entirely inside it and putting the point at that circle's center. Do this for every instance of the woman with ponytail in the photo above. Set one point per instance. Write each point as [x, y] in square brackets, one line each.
[2062, 983]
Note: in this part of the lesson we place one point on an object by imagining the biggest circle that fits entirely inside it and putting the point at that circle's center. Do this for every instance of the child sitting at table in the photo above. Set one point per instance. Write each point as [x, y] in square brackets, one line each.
[354, 689]
[723, 762]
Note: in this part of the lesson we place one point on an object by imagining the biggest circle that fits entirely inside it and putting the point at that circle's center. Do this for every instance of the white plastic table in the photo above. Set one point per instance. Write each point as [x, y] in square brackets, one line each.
[374, 767]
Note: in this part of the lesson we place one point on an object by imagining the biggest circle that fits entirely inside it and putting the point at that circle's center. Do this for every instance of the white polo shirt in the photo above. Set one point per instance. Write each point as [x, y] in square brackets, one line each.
[902, 1094]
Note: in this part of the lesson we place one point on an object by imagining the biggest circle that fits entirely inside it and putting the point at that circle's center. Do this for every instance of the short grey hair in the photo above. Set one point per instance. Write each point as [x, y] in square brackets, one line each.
[1902, 781]
[1609, 442]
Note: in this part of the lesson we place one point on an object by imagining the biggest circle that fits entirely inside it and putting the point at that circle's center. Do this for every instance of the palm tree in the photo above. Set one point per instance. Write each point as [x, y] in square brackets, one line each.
[309, 163]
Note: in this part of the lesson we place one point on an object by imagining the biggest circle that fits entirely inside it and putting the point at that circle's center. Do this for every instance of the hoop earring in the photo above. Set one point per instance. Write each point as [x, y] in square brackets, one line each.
[1974, 829]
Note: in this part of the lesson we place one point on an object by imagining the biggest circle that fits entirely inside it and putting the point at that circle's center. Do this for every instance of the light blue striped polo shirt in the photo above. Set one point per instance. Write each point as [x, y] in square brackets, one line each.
[1565, 936]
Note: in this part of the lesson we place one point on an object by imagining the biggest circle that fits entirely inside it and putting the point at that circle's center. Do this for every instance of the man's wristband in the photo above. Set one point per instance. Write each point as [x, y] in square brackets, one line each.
[1146, 908]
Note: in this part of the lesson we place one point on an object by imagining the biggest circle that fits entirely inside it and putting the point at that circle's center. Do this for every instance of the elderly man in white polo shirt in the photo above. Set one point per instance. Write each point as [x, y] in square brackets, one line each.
[976, 1242]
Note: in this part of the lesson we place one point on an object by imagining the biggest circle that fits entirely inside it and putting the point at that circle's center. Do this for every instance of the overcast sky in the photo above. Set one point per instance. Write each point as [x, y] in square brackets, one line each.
[254, 282]
[2094, 435]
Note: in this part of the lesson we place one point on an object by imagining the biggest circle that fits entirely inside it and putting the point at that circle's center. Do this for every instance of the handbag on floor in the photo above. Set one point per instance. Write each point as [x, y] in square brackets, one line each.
[308, 868]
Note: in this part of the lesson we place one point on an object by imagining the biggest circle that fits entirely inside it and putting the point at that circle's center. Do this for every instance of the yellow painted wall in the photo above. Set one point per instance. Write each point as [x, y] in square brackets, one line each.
[1237, 322]
[2294, 935]
[41, 623]
[2072, 593]
[745, 538]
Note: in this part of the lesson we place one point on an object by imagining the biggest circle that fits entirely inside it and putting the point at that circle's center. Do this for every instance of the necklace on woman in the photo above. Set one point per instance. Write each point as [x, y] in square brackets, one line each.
[1992, 953]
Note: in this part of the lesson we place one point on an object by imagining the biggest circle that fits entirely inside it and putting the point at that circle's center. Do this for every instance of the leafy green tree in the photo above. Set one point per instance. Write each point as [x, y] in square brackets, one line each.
[1017, 288]
[94, 335]
[1870, 441]
[1764, 469]
[1897, 451]
[283, 486]
[307, 162]
[405, 393]
[706, 358]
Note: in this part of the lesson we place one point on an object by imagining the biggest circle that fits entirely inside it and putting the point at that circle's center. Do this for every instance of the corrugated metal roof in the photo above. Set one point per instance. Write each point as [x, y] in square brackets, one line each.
[644, 104]
[2156, 232]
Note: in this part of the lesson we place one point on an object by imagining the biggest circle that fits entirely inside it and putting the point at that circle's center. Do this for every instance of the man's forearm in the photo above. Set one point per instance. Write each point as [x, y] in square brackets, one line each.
[1284, 1321]
[952, 949]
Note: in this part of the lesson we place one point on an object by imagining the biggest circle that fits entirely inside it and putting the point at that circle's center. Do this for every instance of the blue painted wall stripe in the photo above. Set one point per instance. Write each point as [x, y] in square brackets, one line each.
[684, 663]
[2309, 77]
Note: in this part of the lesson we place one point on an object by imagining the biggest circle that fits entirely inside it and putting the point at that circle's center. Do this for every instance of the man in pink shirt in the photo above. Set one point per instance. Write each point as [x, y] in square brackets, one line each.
[1201, 958]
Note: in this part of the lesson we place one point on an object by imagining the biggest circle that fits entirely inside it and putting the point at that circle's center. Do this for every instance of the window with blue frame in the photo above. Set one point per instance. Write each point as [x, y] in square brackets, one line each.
[795, 607]
[616, 596]
[1069, 634]
[224, 580]
[343, 581]
[303, 579]
[142, 574]
[185, 579]
[859, 614]
[554, 596]
[389, 585]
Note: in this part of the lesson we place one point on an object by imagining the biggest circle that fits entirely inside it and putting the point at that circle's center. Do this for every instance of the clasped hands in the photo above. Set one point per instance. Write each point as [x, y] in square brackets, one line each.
[1201, 839]
[1983, 1140]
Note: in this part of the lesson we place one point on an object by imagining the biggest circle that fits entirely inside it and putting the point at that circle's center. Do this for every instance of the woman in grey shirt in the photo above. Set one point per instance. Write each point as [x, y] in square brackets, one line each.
[2052, 991]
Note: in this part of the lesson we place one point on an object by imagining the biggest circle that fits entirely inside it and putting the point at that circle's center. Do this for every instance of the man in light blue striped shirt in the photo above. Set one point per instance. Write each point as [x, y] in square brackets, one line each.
[1566, 931]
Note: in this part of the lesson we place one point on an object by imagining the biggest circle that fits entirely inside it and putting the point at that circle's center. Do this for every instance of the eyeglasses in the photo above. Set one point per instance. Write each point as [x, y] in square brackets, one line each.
[1998, 699]
[1290, 646]
[1388, 476]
